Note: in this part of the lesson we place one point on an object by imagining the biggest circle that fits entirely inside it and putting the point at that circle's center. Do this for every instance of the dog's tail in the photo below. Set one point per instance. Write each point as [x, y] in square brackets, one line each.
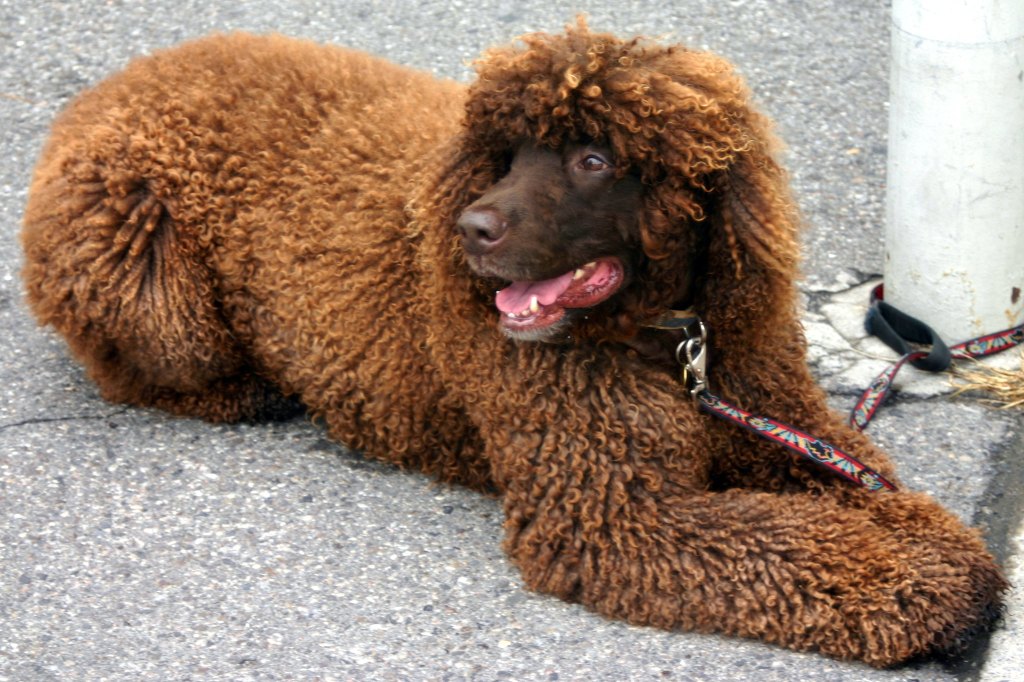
[128, 284]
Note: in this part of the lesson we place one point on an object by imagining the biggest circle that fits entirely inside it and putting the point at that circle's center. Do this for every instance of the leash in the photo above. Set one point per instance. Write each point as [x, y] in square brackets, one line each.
[692, 355]
[898, 331]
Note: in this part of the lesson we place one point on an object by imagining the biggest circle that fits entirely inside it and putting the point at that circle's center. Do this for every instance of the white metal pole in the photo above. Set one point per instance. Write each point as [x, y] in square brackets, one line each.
[955, 203]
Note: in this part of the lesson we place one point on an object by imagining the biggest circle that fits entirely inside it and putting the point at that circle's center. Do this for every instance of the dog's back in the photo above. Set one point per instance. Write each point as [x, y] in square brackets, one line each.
[176, 201]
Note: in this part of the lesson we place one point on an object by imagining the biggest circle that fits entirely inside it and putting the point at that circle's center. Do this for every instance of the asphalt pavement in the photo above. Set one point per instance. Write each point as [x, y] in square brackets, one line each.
[136, 546]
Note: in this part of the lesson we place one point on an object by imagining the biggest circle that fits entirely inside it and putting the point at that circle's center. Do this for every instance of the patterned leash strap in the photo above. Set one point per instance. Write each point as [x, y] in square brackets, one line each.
[692, 355]
[814, 449]
[898, 330]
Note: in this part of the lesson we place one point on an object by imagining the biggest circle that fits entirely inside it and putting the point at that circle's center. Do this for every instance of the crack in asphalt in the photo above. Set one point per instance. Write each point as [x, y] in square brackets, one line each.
[51, 420]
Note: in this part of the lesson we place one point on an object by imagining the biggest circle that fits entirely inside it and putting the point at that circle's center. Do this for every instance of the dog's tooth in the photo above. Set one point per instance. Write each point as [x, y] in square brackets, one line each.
[534, 305]
[578, 274]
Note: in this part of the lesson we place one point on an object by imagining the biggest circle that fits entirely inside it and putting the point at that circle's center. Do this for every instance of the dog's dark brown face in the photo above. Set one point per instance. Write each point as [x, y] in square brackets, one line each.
[560, 227]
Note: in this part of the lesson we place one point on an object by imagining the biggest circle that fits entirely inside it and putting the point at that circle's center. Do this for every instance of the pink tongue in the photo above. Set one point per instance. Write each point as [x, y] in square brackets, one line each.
[516, 297]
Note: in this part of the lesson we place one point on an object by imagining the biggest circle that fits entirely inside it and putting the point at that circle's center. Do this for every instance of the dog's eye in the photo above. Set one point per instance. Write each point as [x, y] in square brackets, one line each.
[593, 162]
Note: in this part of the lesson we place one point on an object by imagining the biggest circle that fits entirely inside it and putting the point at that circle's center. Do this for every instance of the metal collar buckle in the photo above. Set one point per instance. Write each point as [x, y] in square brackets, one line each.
[692, 354]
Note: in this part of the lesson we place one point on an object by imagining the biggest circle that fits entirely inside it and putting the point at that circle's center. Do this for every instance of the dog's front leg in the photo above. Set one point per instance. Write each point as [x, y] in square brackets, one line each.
[605, 508]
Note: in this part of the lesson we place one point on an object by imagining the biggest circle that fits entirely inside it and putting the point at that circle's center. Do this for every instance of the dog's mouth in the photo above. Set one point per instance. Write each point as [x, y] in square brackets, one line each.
[528, 307]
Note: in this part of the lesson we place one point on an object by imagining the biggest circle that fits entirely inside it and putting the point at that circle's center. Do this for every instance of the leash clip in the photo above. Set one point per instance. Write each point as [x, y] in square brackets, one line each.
[692, 354]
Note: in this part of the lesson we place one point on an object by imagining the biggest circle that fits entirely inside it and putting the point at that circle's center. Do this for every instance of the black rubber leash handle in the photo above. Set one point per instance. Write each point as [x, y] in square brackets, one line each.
[898, 330]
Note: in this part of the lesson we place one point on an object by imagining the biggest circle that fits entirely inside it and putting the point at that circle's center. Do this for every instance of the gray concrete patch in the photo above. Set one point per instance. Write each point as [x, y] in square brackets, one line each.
[137, 546]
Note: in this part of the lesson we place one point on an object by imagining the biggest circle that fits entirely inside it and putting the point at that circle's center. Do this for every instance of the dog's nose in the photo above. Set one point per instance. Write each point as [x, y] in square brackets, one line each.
[482, 229]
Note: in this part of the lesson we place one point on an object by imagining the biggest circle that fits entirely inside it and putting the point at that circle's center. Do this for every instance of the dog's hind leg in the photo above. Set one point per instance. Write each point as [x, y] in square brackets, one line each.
[127, 284]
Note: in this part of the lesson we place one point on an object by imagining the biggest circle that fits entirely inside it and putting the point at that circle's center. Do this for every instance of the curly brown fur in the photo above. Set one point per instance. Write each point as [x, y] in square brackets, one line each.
[244, 219]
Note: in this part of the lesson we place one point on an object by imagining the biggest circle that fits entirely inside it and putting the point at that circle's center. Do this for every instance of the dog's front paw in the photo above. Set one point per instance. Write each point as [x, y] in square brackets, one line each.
[980, 607]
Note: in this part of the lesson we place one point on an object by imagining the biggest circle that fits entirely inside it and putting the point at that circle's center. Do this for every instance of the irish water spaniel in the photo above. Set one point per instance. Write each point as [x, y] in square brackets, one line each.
[244, 223]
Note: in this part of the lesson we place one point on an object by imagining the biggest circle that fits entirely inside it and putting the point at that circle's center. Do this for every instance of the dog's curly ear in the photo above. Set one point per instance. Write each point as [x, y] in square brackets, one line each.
[753, 253]
[756, 216]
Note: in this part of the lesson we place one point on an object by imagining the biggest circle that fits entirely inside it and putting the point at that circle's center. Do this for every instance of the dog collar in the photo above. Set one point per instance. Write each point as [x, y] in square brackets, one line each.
[673, 319]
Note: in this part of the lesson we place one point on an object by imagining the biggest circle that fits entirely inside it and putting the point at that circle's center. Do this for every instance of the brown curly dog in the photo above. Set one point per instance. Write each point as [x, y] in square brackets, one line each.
[243, 222]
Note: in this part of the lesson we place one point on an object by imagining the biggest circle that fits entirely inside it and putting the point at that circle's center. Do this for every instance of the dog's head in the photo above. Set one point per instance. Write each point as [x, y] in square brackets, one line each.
[558, 232]
[598, 182]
